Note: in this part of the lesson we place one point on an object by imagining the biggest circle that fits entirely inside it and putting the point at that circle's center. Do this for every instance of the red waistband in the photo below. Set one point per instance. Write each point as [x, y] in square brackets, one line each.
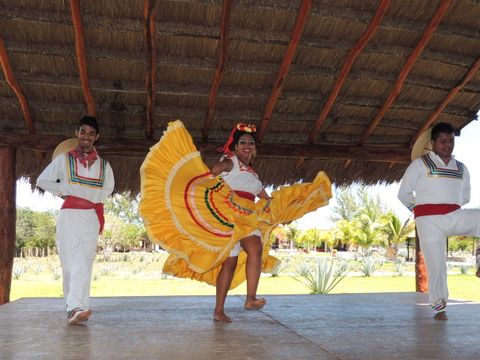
[434, 209]
[73, 202]
[245, 195]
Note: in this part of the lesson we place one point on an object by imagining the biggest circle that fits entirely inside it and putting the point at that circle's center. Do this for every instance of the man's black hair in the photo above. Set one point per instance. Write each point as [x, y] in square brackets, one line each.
[443, 127]
[90, 121]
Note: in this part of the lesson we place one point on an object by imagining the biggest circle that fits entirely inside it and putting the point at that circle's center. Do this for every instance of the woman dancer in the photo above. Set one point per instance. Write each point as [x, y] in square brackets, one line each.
[198, 218]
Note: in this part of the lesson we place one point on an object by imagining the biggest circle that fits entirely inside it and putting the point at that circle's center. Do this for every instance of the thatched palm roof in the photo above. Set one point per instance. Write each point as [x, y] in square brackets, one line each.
[340, 85]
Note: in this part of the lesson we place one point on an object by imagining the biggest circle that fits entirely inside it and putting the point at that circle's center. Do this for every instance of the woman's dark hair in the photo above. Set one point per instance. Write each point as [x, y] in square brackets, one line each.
[90, 121]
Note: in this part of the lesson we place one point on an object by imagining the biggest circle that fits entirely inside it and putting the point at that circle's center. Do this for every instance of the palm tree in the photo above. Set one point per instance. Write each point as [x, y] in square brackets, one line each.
[344, 232]
[368, 231]
[395, 232]
[312, 237]
[292, 232]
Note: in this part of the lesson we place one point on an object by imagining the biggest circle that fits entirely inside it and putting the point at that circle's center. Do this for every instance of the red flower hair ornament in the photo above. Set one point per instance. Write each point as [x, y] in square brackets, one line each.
[240, 127]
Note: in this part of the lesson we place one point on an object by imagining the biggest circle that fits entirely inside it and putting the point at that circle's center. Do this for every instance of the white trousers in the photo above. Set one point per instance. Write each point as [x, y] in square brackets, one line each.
[77, 238]
[433, 232]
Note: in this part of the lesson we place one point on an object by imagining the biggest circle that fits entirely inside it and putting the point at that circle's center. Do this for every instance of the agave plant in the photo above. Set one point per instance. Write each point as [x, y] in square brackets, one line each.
[324, 276]
[464, 269]
[368, 265]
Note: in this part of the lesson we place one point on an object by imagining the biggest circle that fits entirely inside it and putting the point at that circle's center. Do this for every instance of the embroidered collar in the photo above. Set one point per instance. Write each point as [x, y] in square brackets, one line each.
[84, 157]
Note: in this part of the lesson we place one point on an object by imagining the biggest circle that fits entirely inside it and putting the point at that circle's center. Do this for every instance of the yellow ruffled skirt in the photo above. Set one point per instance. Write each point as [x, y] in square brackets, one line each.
[198, 219]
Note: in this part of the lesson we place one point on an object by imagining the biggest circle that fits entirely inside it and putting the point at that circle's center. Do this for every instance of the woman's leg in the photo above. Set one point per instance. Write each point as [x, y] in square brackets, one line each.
[224, 280]
[253, 247]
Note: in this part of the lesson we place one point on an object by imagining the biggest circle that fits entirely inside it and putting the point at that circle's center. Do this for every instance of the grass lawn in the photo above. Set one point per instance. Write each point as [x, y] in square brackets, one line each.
[462, 287]
[140, 274]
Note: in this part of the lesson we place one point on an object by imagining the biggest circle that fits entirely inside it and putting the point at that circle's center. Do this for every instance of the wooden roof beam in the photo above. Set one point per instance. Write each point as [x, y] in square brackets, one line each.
[238, 93]
[81, 57]
[468, 76]
[149, 13]
[222, 55]
[427, 34]
[300, 22]
[352, 55]
[139, 148]
[17, 89]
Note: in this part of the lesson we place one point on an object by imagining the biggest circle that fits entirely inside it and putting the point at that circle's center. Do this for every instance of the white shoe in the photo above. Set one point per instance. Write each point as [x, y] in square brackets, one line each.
[77, 316]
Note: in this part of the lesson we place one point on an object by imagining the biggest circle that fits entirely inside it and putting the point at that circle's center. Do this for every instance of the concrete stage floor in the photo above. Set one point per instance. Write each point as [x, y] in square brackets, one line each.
[347, 326]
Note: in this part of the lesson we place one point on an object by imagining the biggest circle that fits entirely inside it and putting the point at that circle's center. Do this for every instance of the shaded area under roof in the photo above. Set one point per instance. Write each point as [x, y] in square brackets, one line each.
[343, 86]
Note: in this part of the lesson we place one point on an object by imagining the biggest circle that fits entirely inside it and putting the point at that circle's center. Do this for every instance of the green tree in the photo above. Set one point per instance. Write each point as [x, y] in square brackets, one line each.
[368, 231]
[292, 233]
[347, 205]
[124, 206]
[44, 230]
[331, 238]
[395, 232]
[345, 231]
[461, 243]
[311, 239]
[119, 235]
[25, 227]
[353, 200]
[35, 229]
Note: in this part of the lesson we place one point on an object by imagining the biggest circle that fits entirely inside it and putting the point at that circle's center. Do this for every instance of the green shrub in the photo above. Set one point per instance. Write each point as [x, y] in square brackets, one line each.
[323, 276]
[368, 265]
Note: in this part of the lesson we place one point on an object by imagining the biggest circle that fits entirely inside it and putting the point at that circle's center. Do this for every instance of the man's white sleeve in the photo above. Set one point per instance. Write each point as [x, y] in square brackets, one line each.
[407, 186]
[50, 179]
[109, 183]
[466, 185]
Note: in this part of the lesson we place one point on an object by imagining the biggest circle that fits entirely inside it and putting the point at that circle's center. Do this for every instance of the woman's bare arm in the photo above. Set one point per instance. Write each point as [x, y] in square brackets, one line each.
[226, 165]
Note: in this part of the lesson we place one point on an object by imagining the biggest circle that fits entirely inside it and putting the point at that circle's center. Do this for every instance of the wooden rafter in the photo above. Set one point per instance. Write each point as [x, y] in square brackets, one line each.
[17, 89]
[149, 13]
[139, 148]
[300, 22]
[352, 55]
[81, 56]
[300, 163]
[347, 164]
[222, 55]
[427, 34]
[468, 76]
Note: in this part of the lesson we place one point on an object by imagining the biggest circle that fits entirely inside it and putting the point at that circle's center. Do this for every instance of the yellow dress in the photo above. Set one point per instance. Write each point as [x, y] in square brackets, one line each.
[198, 219]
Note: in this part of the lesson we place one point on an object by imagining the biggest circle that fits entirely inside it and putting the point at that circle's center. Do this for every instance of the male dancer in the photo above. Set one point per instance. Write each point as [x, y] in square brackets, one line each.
[435, 186]
[84, 180]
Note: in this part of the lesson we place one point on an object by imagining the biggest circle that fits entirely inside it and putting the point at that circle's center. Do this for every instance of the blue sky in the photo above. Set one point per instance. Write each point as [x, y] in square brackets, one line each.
[466, 148]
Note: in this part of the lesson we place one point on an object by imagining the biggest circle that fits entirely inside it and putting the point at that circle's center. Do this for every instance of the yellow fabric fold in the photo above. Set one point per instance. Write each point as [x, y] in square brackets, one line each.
[197, 218]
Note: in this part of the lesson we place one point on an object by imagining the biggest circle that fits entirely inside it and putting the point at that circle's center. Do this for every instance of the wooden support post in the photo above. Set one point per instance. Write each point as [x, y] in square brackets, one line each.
[7, 220]
[421, 277]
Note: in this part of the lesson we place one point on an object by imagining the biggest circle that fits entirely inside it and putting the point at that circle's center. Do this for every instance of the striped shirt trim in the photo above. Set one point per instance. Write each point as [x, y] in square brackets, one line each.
[434, 170]
[75, 178]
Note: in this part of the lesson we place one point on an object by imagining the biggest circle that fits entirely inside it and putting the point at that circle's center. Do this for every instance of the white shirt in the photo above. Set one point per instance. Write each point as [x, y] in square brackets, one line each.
[242, 178]
[65, 175]
[428, 180]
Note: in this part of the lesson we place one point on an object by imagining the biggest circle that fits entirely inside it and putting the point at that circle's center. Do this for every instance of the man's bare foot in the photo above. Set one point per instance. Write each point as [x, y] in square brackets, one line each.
[441, 316]
[221, 317]
[255, 304]
[478, 272]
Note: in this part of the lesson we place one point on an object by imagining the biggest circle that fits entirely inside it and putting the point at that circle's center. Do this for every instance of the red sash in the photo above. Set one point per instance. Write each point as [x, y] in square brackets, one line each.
[73, 202]
[245, 195]
[434, 209]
